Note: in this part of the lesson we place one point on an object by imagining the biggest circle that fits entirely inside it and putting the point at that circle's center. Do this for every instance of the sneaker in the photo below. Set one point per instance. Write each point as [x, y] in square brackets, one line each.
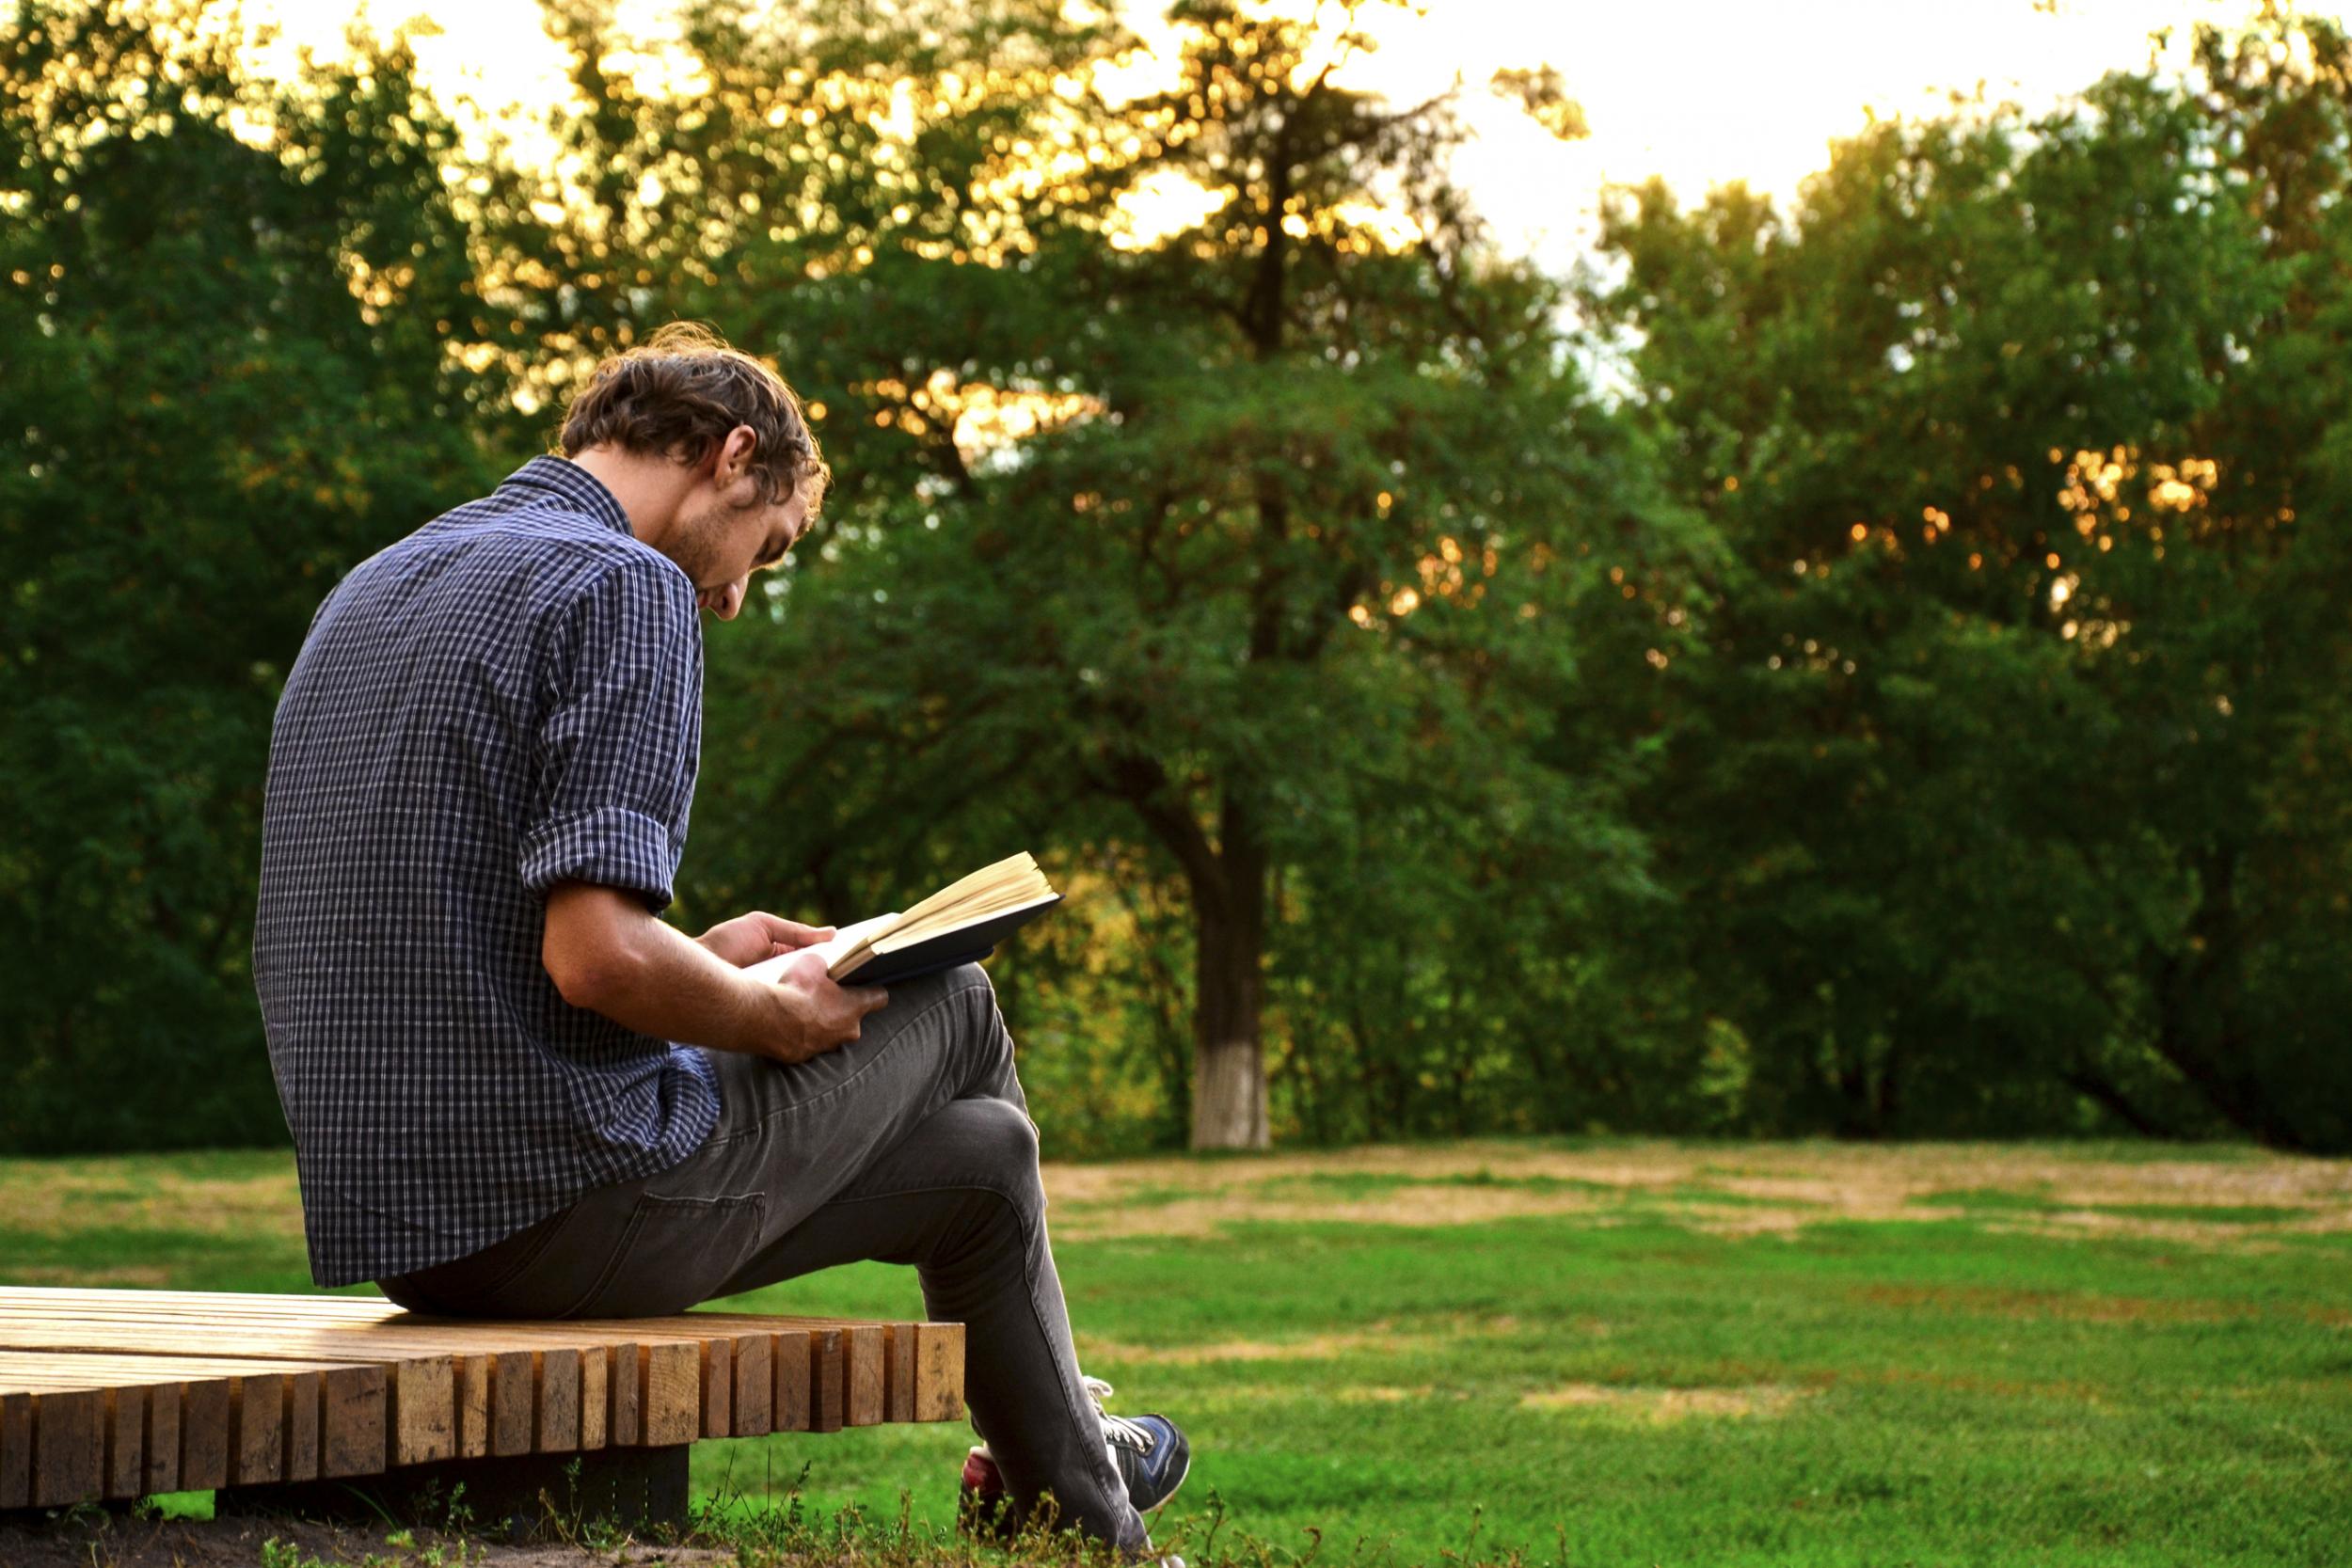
[1150, 1452]
[983, 1508]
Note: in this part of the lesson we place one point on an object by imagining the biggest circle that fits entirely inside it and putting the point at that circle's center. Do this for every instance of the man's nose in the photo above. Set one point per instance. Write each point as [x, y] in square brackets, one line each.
[724, 602]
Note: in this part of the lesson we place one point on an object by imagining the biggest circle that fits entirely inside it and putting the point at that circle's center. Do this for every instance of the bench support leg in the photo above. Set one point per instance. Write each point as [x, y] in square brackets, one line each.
[642, 1490]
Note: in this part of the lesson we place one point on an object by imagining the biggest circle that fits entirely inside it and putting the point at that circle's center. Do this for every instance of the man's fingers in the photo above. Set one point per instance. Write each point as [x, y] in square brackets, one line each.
[790, 933]
[867, 997]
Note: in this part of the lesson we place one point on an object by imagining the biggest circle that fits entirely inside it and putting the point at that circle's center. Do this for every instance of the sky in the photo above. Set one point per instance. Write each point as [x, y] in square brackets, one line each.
[1700, 91]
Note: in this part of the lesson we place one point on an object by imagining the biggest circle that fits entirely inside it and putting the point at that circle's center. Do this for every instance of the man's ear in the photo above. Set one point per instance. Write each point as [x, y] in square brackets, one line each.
[734, 455]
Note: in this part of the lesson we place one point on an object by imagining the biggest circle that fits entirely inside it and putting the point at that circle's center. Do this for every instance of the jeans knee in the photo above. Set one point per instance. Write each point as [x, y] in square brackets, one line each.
[1001, 1143]
[971, 976]
[984, 1021]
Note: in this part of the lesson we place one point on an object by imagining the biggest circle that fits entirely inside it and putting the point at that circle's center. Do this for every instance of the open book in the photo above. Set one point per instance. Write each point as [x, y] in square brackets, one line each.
[961, 924]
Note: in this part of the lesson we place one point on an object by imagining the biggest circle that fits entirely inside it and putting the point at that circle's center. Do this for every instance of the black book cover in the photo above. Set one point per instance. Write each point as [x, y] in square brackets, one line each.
[966, 944]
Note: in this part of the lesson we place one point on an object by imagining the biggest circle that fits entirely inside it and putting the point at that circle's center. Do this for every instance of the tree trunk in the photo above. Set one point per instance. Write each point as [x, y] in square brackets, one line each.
[1228, 1096]
[1229, 1100]
[2196, 1028]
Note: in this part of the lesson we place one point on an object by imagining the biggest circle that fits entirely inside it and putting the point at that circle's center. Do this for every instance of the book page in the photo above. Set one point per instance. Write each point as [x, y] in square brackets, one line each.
[1002, 882]
[843, 939]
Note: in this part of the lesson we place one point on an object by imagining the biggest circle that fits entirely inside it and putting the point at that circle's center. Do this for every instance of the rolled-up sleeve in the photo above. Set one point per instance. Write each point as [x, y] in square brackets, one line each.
[617, 751]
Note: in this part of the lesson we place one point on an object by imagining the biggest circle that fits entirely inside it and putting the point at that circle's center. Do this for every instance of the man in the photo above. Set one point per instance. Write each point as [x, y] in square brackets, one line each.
[514, 1090]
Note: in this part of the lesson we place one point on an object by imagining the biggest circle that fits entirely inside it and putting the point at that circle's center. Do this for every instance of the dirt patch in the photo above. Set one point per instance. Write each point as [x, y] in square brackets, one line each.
[2089, 1395]
[1238, 1203]
[1383, 1395]
[1734, 1190]
[1320, 1347]
[61, 1198]
[1379, 1337]
[123, 1276]
[1665, 1406]
[1985, 1300]
[91, 1539]
[1761, 1188]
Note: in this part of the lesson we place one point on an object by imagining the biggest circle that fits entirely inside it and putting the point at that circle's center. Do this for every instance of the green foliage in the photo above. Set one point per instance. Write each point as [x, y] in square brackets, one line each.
[225, 310]
[1995, 787]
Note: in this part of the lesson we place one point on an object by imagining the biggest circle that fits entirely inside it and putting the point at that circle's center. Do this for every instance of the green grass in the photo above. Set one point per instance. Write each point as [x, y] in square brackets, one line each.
[1623, 1379]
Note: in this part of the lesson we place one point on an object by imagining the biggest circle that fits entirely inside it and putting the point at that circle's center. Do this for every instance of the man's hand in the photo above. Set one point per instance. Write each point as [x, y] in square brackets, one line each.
[814, 1014]
[750, 938]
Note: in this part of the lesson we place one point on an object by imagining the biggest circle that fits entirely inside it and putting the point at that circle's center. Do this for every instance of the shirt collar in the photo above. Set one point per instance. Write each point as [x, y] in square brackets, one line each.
[575, 484]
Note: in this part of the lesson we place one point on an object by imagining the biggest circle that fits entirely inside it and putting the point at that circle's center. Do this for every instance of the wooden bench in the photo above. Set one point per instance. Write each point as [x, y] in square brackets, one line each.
[310, 1403]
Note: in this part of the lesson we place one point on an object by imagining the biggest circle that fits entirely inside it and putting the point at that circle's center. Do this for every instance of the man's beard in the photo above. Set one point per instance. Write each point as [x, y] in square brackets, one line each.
[697, 543]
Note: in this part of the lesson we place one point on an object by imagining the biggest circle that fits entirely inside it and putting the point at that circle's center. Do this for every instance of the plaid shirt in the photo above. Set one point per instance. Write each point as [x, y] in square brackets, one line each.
[508, 698]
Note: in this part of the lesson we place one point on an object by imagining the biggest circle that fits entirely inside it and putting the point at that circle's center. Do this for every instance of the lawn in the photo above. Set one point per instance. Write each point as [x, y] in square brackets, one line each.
[1599, 1352]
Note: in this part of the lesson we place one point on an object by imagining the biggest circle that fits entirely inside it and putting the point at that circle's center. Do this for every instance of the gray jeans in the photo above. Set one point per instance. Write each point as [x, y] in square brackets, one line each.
[912, 1144]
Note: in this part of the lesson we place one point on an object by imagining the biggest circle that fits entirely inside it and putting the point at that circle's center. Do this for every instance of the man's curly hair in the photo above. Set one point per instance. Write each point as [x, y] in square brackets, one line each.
[677, 394]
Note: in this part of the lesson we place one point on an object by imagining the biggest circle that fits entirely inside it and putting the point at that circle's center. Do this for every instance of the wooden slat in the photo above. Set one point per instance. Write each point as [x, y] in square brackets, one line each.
[42, 1371]
[420, 1419]
[305, 1399]
[718, 1388]
[897, 1371]
[315, 1343]
[826, 1380]
[353, 1403]
[514, 1389]
[119, 1326]
[257, 1430]
[16, 1450]
[196, 1304]
[192, 1298]
[126, 1441]
[754, 1385]
[163, 1436]
[68, 1446]
[791, 1359]
[863, 1405]
[472, 1392]
[557, 1427]
[594, 1399]
[669, 1400]
[628, 1396]
[204, 1405]
[209, 1307]
[938, 1372]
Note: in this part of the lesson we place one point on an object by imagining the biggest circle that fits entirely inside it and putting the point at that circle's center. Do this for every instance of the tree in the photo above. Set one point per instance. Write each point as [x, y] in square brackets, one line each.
[224, 316]
[2025, 436]
[1292, 506]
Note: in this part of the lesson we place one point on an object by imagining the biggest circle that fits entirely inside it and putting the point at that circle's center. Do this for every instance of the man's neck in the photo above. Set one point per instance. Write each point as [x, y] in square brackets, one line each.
[648, 488]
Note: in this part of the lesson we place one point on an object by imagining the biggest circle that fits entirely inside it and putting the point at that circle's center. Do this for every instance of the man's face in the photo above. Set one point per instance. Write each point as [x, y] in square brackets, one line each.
[723, 535]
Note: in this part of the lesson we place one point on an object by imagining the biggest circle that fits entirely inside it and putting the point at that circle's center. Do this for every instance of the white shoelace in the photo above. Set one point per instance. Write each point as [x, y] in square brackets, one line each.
[1118, 1429]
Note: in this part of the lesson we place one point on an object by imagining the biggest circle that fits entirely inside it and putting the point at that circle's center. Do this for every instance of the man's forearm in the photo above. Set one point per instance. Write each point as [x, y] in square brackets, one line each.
[606, 953]
[647, 975]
